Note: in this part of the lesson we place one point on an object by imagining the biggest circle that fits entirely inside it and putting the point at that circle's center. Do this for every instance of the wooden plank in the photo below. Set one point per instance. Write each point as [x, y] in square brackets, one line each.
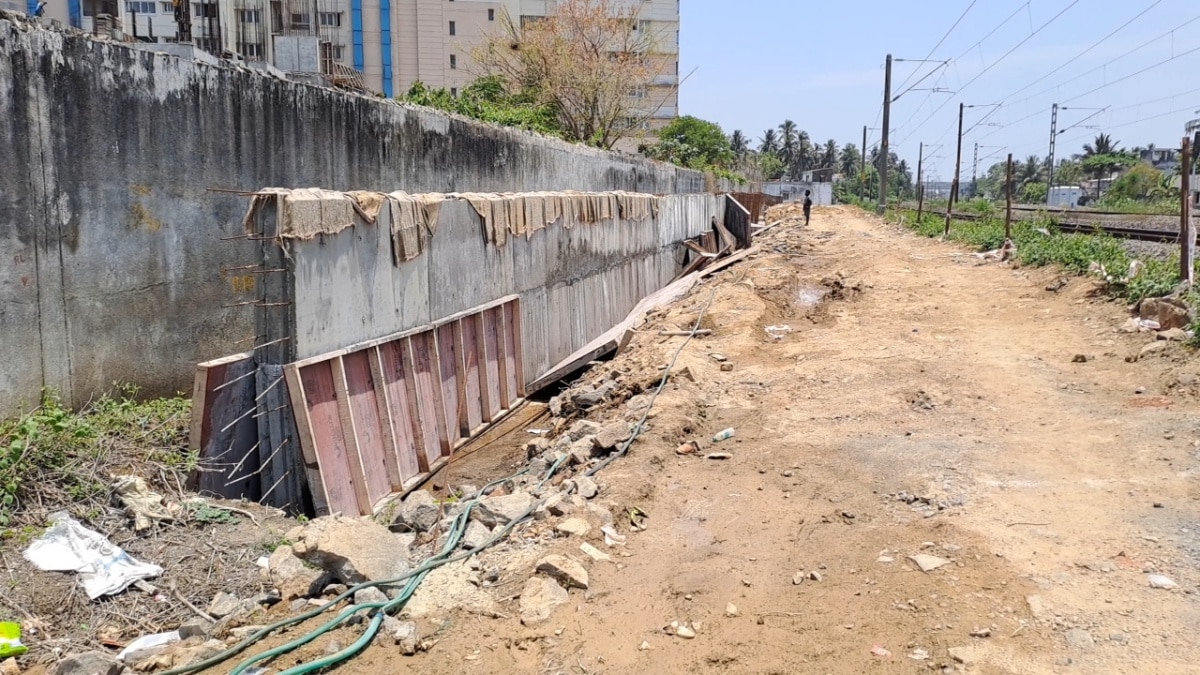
[460, 380]
[453, 408]
[223, 428]
[308, 442]
[486, 380]
[722, 264]
[470, 340]
[391, 458]
[398, 382]
[489, 320]
[508, 364]
[513, 310]
[373, 451]
[496, 317]
[427, 396]
[394, 337]
[336, 464]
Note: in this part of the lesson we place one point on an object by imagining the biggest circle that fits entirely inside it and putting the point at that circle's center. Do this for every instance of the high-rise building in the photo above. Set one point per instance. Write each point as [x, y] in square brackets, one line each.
[380, 45]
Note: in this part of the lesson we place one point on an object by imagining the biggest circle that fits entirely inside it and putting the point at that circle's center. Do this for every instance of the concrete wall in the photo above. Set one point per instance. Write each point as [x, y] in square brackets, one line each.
[575, 282]
[113, 265]
[793, 191]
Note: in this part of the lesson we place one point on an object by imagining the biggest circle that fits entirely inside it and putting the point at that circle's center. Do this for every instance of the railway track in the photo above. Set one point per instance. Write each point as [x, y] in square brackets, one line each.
[1138, 227]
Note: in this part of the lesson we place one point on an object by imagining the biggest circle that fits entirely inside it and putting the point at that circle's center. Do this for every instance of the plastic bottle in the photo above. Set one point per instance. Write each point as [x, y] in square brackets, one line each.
[728, 433]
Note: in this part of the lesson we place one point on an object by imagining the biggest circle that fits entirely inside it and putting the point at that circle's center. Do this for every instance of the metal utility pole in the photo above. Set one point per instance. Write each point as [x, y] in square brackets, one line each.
[862, 174]
[975, 173]
[920, 184]
[1008, 190]
[957, 168]
[1187, 231]
[1053, 139]
[883, 144]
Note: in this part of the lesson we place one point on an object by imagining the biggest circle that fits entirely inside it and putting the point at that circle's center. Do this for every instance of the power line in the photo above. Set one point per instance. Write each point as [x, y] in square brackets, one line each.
[1134, 74]
[939, 43]
[993, 64]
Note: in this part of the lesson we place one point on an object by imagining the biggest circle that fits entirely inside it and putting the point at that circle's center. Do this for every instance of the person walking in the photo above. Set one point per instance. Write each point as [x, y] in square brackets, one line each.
[807, 206]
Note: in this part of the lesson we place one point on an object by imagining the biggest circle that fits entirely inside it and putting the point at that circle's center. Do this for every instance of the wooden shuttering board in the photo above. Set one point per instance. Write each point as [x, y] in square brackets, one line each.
[223, 430]
[376, 419]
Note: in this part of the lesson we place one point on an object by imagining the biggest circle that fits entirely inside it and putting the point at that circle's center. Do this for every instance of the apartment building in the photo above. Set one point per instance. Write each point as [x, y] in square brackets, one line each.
[385, 45]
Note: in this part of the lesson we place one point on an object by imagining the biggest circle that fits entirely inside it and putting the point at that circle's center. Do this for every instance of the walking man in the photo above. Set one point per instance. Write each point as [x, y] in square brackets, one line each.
[807, 206]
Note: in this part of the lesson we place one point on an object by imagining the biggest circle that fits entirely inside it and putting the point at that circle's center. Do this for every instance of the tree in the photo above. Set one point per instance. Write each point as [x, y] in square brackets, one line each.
[805, 155]
[829, 156]
[850, 160]
[787, 142]
[1102, 157]
[769, 143]
[692, 142]
[1139, 183]
[587, 60]
[739, 144]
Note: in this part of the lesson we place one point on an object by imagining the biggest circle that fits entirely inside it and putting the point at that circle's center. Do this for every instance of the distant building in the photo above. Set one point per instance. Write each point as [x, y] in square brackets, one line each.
[1166, 160]
[793, 191]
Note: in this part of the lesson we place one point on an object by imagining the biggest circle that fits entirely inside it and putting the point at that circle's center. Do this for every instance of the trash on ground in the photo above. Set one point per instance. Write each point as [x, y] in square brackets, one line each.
[538, 432]
[718, 455]
[723, 435]
[10, 640]
[689, 448]
[148, 642]
[103, 567]
[145, 506]
[612, 537]
[777, 332]
[881, 652]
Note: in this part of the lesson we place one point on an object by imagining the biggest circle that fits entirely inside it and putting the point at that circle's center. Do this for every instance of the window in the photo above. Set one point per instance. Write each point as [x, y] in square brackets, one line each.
[339, 52]
[643, 26]
[276, 16]
[453, 62]
[331, 19]
[452, 28]
[204, 10]
[139, 7]
[249, 16]
[300, 21]
[491, 15]
[250, 50]
[166, 7]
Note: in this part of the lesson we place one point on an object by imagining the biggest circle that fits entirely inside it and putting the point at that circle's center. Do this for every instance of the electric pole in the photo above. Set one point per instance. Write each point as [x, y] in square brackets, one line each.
[957, 167]
[883, 144]
[1053, 139]
[975, 173]
[862, 174]
[920, 184]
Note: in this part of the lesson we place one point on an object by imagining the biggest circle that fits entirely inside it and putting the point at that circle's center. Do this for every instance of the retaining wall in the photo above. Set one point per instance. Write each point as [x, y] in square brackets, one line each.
[115, 259]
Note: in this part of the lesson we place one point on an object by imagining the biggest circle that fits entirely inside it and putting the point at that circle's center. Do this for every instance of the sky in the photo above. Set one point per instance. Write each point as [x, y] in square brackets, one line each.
[821, 64]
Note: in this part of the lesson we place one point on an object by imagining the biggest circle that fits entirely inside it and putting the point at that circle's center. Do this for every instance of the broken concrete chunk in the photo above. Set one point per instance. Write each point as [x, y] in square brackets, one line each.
[419, 512]
[582, 428]
[403, 634]
[496, 511]
[928, 563]
[292, 577]
[576, 527]
[1153, 348]
[539, 599]
[582, 451]
[476, 536]
[88, 663]
[223, 604]
[1162, 583]
[612, 435]
[1167, 312]
[567, 571]
[195, 628]
[594, 553]
[557, 505]
[353, 550]
[369, 595]
[585, 486]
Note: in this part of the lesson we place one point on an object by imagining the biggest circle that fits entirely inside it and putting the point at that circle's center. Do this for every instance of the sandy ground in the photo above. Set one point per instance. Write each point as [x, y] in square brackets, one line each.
[924, 402]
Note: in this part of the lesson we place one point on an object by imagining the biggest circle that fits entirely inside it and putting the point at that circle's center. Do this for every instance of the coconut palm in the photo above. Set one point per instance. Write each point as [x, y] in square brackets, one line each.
[850, 159]
[1102, 145]
[787, 142]
[806, 156]
[739, 144]
[829, 158]
[769, 143]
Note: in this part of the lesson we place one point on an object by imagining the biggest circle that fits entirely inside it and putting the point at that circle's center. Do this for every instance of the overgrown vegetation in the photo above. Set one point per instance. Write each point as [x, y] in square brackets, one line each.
[489, 100]
[54, 459]
[1040, 243]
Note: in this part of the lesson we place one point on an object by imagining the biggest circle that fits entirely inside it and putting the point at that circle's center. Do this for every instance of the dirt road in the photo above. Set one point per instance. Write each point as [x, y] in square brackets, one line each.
[923, 402]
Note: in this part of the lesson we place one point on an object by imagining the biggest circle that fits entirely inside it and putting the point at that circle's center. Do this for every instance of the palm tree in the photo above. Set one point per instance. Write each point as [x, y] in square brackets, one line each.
[1030, 171]
[1103, 145]
[769, 143]
[739, 144]
[850, 159]
[787, 142]
[829, 158]
[805, 155]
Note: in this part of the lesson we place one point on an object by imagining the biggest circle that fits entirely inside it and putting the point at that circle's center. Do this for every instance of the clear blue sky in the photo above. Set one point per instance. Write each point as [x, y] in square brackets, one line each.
[759, 62]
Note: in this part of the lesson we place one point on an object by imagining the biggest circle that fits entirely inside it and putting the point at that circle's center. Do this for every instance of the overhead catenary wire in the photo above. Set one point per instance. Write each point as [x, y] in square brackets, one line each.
[939, 43]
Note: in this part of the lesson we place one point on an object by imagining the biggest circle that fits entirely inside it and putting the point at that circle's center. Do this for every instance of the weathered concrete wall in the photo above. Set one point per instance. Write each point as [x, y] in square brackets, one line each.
[111, 249]
[575, 282]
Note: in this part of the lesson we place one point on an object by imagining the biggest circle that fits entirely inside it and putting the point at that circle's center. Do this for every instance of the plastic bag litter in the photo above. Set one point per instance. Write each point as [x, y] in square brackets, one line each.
[145, 506]
[148, 642]
[777, 332]
[103, 567]
[10, 640]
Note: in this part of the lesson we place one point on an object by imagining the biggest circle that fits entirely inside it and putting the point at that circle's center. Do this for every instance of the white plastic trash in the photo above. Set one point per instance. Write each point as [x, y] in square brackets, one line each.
[103, 567]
